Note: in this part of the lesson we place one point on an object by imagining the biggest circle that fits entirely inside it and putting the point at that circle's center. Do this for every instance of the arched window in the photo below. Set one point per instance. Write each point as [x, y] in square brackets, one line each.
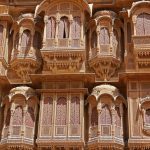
[1, 35]
[51, 28]
[18, 116]
[29, 117]
[26, 40]
[63, 28]
[94, 116]
[147, 117]
[94, 39]
[61, 111]
[75, 111]
[47, 111]
[143, 24]
[115, 43]
[104, 36]
[37, 42]
[76, 28]
[105, 116]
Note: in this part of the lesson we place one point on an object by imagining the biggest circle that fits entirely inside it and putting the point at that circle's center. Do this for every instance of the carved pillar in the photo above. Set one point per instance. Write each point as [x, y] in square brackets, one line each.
[70, 30]
[68, 114]
[11, 119]
[56, 36]
[82, 115]
[99, 109]
[90, 113]
[4, 123]
[45, 28]
[121, 115]
[90, 41]
[41, 116]
[111, 41]
[98, 40]
[113, 120]
[23, 130]
[54, 115]
[82, 29]
[134, 23]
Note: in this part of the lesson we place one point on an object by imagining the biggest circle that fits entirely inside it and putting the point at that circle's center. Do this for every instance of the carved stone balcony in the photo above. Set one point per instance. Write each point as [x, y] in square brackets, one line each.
[142, 52]
[25, 64]
[104, 62]
[63, 61]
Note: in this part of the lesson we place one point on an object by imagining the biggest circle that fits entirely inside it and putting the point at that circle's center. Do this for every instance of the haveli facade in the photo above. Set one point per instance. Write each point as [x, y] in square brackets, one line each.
[74, 75]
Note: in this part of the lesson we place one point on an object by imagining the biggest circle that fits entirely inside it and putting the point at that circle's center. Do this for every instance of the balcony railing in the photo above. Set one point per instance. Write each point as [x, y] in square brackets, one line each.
[141, 41]
[60, 130]
[29, 132]
[53, 43]
[46, 131]
[105, 50]
[16, 130]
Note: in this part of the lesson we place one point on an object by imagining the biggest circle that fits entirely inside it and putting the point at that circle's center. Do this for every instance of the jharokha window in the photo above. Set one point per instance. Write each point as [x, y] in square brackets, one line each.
[61, 111]
[47, 111]
[143, 24]
[63, 28]
[51, 28]
[147, 117]
[76, 28]
[104, 36]
[18, 116]
[75, 111]
[1, 35]
[26, 40]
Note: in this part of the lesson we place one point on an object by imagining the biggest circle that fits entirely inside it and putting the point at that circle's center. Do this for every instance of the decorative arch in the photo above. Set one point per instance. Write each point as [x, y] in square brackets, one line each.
[51, 28]
[76, 27]
[26, 40]
[143, 24]
[75, 110]
[63, 28]
[61, 111]
[47, 111]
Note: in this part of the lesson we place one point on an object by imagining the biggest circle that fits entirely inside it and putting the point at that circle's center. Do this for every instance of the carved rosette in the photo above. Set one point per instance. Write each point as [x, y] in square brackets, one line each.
[104, 67]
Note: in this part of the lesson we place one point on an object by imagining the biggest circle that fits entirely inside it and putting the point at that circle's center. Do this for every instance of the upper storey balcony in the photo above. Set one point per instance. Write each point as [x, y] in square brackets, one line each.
[63, 41]
[141, 36]
[106, 118]
[105, 49]
[5, 22]
[26, 42]
[19, 110]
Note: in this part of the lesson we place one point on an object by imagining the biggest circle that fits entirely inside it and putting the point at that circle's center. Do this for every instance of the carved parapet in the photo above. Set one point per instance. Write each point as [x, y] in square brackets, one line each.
[63, 61]
[104, 66]
[142, 52]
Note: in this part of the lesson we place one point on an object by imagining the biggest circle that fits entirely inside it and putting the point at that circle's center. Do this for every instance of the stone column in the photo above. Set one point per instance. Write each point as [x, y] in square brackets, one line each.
[70, 30]
[90, 113]
[23, 130]
[98, 43]
[113, 120]
[56, 34]
[68, 114]
[54, 115]
[99, 109]
[44, 37]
